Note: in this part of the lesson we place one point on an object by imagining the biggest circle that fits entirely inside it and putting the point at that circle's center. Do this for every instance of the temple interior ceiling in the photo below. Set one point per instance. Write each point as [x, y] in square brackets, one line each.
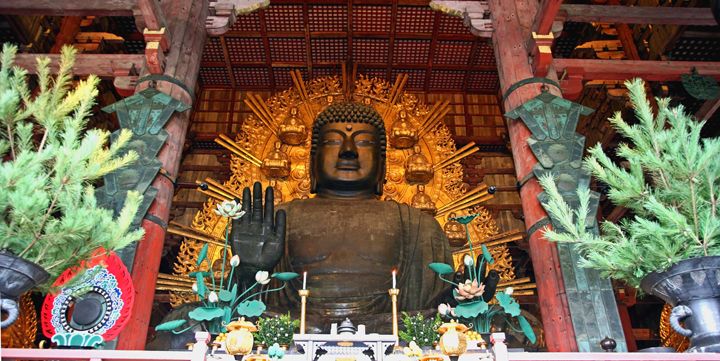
[383, 39]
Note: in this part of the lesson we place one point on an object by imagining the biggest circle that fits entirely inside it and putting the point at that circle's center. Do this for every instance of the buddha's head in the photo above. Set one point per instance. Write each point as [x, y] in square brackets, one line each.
[347, 155]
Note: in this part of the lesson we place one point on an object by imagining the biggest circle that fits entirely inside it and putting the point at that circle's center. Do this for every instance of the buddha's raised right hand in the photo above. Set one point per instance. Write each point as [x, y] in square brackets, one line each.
[258, 237]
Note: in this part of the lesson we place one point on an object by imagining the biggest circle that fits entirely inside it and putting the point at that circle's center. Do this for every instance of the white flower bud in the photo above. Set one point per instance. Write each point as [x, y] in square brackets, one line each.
[235, 261]
[212, 297]
[468, 260]
[443, 309]
[194, 287]
[509, 291]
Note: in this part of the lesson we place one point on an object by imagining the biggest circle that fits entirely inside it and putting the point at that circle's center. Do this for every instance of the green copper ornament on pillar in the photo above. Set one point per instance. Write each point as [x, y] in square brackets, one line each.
[145, 113]
[559, 149]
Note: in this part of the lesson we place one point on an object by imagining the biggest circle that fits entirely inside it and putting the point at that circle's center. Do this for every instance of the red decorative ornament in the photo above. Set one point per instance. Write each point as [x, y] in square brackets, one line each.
[95, 297]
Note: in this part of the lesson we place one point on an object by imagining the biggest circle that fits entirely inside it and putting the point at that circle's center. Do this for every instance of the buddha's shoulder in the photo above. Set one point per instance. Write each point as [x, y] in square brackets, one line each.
[362, 205]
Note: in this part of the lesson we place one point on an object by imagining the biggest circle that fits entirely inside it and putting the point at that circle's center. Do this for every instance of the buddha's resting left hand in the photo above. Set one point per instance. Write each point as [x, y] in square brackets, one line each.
[259, 236]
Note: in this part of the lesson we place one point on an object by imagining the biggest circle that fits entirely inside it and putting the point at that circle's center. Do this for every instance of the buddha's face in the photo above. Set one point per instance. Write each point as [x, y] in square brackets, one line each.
[348, 157]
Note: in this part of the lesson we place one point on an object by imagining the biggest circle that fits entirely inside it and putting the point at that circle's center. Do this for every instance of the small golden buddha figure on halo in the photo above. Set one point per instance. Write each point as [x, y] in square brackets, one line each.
[278, 192]
[418, 170]
[292, 131]
[423, 202]
[277, 163]
[455, 231]
[402, 134]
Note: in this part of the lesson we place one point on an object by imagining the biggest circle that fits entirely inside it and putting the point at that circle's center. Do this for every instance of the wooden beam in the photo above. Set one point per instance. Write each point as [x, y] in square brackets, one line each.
[103, 65]
[707, 110]
[617, 213]
[186, 23]
[152, 14]
[69, 7]
[636, 14]
[595, 69]
[625, 35]
[546, 16]
[69, 27]
[511, 55]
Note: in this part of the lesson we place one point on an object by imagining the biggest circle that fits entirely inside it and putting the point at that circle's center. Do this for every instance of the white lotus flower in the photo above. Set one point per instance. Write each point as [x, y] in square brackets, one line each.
[235, 261]
[443, 309]
[509, 291]
[230, 209]
[212, 297]
[262, 277]
[194, 287]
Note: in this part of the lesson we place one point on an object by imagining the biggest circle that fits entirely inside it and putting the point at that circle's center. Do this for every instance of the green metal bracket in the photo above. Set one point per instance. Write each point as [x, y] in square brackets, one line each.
[145, 113]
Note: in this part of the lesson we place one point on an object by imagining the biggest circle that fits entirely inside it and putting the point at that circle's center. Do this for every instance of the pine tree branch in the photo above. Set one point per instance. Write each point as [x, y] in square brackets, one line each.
[693, 200]
[713, 199]
[11, 140]
[51, 208]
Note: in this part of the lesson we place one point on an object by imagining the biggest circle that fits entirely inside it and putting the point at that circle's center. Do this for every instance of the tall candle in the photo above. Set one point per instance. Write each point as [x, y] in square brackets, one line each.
[394, 272]
[304, 280]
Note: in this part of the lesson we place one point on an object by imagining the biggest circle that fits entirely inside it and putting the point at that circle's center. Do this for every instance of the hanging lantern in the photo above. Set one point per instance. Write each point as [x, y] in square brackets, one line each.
[455, 232]
[418, 170]
[402, 134]
[277, 163]
[423, 202]
[292, 130]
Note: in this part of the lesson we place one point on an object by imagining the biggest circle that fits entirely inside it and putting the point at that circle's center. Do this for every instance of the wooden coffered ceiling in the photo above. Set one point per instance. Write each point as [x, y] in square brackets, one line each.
[383, 38]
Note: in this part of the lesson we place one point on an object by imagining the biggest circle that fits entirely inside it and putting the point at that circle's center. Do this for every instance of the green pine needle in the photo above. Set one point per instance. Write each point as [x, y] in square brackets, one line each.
[51, 162]
[670, 183]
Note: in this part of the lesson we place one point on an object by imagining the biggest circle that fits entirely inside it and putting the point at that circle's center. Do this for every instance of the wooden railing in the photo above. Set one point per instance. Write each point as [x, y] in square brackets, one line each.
[200, 353]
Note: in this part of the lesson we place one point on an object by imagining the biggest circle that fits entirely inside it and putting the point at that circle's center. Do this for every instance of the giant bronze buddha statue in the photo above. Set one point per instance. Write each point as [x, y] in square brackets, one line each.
[346, 238]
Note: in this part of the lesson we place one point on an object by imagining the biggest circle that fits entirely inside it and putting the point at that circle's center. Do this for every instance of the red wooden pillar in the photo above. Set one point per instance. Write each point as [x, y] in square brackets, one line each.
[512, 21]
[186, 22]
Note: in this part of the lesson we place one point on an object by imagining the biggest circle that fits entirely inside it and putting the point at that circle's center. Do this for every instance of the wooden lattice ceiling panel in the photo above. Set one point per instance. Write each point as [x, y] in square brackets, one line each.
[245, 50]
[414, 20]
[285, 18]
[381, 38]
[328, 18]
[248, 23]
[329, 50]
[412, 51]
[372, 18]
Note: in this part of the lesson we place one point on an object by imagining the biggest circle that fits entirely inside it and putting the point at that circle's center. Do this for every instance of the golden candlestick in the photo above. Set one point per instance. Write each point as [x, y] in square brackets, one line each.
[394, 292]
[303, 300]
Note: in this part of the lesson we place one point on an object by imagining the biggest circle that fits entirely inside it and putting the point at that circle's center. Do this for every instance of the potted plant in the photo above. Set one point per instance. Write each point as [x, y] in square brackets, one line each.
[276, 330]
[670, 248]
[49, 217]
[477, 301]
[419, 330]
